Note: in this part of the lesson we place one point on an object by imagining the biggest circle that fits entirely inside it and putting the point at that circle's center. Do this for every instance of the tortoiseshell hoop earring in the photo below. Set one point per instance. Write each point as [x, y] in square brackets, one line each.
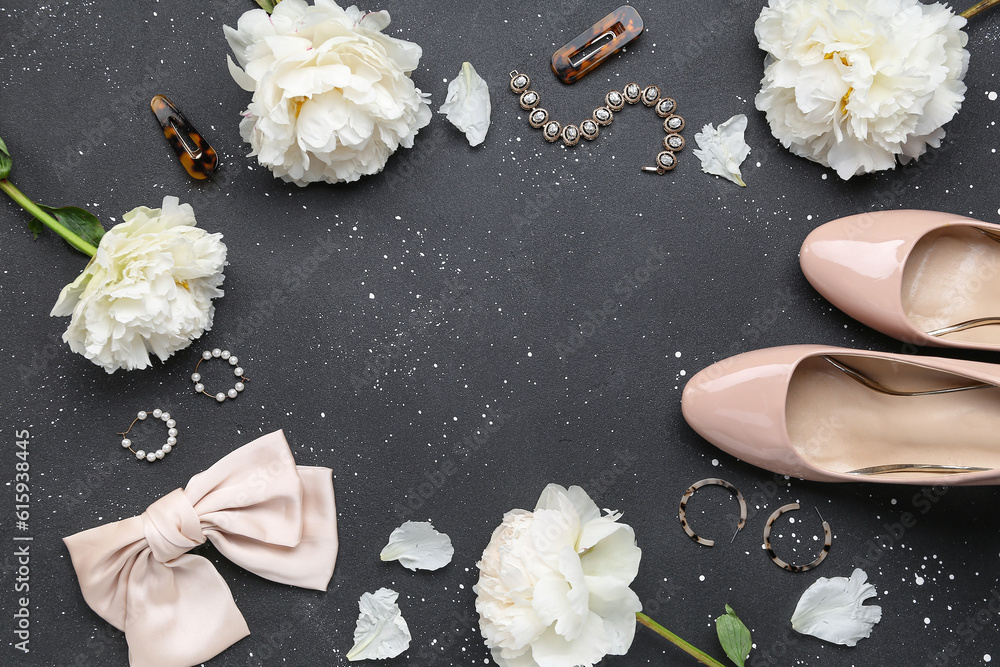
[787, 566]
[682, 514]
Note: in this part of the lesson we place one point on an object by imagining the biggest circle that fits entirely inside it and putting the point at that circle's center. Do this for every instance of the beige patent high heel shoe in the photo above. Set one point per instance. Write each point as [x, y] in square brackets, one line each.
[839, 415]
[924, 277]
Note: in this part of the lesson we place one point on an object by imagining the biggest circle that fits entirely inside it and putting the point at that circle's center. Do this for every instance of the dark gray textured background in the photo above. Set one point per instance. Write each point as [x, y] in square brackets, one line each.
[483, 264]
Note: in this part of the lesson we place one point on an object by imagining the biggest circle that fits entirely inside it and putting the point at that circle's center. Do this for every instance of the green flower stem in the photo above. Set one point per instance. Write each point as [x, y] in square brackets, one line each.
[978, 7]
[702, 657]
[47, 219]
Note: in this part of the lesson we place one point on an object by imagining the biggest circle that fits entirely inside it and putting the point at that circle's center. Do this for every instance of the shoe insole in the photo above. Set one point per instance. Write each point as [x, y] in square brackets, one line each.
[953, 275]
[838, 424]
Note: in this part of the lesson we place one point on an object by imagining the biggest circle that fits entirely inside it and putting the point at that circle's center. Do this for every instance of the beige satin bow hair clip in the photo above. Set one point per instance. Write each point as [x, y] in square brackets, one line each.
[257, 507]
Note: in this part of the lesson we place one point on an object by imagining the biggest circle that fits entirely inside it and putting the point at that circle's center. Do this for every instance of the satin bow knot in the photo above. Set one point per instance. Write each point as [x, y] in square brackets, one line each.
[171, 526]
[257, 507]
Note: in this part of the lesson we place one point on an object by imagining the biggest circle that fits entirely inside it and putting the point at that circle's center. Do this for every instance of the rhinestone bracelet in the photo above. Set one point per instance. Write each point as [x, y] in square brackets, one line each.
[603, 116]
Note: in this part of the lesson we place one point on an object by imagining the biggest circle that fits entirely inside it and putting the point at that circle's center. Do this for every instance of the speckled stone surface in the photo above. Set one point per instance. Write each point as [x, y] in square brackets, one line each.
[456, 332]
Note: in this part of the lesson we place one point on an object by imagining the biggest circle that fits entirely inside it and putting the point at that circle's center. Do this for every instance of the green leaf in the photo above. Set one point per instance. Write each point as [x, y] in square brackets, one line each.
[268, 5]
[734, 636]
[36, 226]
[82, 223]
[6, 161]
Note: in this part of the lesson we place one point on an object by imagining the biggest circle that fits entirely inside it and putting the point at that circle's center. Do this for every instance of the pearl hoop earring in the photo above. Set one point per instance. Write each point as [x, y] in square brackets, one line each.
[165, 449]
[238, 372]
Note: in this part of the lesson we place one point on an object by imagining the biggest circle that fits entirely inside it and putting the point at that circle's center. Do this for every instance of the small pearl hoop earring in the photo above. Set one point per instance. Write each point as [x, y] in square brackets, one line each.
[165, 449]
[238, 372]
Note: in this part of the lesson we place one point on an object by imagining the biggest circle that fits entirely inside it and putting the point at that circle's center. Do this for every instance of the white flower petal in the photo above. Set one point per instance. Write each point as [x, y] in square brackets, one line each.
[468, 104]
[554, 497]
[417, 546]
[561, 598]
[617, 605]
[382, 631]
[520, 660]
[377, 21]
[614, 556]
[597, 529]
[242, 79]
[723, 150]
[554, 650]
[552, 531]
[833, 609]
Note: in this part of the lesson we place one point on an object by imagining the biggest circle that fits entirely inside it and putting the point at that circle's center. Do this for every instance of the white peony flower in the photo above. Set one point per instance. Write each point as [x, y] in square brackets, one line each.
[468, 104]
[834, 609]
[553, 585]
[418, 546]
[381, 631]
[852, 84]
[332, 95]
[148, 289]
[723, 150]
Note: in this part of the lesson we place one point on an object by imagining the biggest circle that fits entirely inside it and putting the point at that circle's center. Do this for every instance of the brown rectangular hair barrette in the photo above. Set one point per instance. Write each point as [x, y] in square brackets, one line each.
[595, 45]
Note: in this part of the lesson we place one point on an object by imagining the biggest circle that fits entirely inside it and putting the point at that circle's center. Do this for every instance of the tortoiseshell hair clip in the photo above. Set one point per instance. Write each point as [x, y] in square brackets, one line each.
[197, 156]
[593, 46]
